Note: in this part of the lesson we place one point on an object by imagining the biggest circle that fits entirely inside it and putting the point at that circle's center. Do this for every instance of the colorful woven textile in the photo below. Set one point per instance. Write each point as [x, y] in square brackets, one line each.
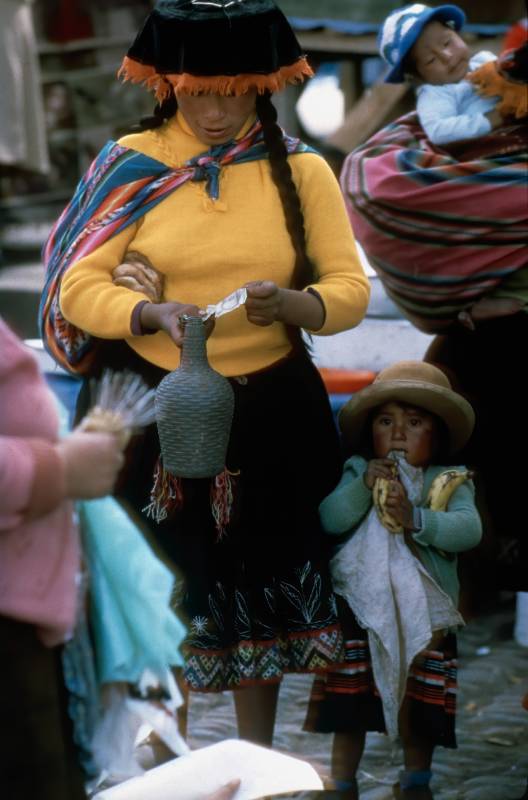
[440, 228]
[120, 186]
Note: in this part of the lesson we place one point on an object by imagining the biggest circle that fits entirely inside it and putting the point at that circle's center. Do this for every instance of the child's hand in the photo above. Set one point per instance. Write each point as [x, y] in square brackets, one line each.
[378, 468]
[399, 506]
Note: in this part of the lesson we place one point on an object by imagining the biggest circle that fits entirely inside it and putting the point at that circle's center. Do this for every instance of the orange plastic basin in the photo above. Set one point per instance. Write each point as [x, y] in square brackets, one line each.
[345, 381]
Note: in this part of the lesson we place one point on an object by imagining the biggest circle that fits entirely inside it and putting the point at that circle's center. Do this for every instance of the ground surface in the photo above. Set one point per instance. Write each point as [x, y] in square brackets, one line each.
[491, 762]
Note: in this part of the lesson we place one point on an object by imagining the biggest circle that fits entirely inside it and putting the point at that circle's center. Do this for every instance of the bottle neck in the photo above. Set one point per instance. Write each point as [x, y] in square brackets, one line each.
[194, 350]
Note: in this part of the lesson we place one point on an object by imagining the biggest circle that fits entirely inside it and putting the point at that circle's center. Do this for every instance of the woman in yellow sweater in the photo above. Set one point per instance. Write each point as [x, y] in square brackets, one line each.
[256, 209]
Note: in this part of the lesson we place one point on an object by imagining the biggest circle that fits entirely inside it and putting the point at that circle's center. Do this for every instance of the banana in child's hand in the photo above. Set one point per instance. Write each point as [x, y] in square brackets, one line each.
[443, 487]
[380, 493]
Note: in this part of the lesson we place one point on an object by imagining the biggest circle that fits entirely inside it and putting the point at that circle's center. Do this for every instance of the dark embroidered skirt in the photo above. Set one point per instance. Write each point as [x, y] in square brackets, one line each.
[347, 701]
[258, 601]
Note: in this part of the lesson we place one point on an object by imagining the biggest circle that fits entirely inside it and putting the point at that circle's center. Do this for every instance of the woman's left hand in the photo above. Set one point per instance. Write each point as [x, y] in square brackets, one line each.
[399, 505]
[267, 303]
[263, 302]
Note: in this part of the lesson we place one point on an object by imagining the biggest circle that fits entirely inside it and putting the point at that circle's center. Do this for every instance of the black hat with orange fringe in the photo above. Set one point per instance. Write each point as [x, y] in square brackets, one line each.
[215, 46]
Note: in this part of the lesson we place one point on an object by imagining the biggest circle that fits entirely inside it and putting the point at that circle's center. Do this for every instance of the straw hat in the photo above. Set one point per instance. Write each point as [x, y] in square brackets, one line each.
[215, 46]
[402, 28]
[418, 384]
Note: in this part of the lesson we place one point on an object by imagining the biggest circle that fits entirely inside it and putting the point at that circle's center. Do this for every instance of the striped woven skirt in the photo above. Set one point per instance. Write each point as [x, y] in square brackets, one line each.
[346, 700]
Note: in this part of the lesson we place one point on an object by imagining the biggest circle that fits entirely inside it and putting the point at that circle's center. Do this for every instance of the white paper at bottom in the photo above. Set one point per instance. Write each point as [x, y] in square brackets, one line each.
[194, 776]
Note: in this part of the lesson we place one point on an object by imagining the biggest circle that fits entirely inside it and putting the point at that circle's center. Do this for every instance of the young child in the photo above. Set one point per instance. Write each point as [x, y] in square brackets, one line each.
[397, 586]
[421, 44]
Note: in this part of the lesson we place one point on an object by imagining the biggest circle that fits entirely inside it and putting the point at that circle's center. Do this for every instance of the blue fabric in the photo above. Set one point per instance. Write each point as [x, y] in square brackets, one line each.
[66, 388]
[410, 779]
[368, 27]
[337, 401]
[345, 786]
[338, 25]
[130, 619]
[84, 707]
[130, 588]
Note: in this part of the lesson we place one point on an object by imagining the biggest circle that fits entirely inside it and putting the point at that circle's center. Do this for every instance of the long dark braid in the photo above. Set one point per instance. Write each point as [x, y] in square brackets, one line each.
[162, 112]
[303, 273]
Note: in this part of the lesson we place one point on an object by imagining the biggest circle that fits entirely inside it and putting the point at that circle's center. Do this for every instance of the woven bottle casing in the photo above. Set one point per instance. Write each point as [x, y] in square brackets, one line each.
[194, 410]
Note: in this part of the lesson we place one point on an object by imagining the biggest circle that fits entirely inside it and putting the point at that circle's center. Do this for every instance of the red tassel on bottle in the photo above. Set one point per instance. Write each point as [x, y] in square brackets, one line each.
[166, 495]
[222, 486]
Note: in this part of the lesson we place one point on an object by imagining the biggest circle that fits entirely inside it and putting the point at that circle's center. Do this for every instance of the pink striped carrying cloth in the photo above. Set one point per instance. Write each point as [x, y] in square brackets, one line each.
[441, 228]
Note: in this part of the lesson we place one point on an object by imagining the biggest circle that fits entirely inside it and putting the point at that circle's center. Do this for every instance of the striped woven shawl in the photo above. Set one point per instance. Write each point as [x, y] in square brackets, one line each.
[440, 228]
[119, 187]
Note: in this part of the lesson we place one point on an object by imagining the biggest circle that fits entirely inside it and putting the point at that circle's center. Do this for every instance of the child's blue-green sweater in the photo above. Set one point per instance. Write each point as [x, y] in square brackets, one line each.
[453, 531]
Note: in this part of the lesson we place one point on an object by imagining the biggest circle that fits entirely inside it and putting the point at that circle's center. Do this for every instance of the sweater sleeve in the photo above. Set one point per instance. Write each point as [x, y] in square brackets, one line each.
[346, 506]
[441, 120]
[89, 299]
[455, 530]
[342, 285]
[32, 480]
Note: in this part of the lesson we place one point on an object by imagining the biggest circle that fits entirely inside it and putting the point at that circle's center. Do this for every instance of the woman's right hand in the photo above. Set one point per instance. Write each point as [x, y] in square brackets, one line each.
[138, 274]
[166, 317]
[378, 468]
[92, 462]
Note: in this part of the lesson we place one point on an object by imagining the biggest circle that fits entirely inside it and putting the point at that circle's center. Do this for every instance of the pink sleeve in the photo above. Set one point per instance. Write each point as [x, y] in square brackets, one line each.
[32, 479]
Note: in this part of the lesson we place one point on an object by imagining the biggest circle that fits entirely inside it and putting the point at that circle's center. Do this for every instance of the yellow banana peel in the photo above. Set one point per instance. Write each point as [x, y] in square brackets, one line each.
[443, 487]
[380, 493]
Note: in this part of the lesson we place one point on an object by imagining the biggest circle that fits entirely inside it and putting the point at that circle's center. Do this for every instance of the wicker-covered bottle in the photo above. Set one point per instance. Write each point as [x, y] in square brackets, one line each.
[194, 410]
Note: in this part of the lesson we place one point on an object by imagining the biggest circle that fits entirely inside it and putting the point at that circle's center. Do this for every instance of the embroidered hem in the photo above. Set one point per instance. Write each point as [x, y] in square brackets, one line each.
[259, 662]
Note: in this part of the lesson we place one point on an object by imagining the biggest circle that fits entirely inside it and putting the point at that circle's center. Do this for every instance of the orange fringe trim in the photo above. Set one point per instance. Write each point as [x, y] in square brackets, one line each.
[514, 96]
[135, 72]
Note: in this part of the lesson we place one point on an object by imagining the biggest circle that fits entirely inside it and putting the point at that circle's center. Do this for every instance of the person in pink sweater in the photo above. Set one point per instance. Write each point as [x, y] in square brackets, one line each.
[40, 567]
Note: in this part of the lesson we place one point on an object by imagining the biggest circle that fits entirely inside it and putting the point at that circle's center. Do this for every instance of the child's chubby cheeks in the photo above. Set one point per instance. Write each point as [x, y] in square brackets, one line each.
[398, 426]
[440, 55]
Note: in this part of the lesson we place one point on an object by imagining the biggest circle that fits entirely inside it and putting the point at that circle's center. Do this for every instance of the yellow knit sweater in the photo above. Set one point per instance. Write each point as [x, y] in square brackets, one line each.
[207, 249]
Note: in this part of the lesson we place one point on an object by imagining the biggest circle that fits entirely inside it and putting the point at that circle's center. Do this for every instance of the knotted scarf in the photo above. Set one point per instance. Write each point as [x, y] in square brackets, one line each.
[119, 187]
